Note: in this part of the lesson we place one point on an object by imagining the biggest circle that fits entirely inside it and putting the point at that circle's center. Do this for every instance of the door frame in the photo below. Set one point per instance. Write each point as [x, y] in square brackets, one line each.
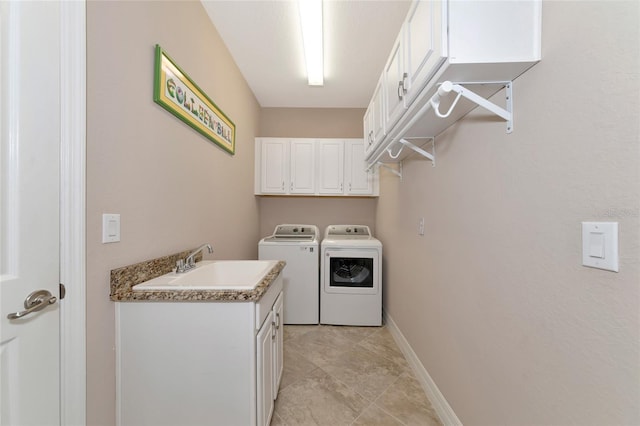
[73, 91]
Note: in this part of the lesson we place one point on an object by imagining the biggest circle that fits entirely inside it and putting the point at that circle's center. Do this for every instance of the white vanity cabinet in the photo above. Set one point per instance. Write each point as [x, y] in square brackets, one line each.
[266, 363]
[199, 362]
[278, 344]
[270, 357]
[337, 166]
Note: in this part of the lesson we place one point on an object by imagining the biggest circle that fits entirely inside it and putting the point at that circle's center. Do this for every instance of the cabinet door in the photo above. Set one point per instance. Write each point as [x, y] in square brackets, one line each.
[424, 44]
[278, 348]
[376, 117]
[359, 181]
[274, 170]
[331, 166]
[302, 166]
[264, 363]
[394, 81]
[367, 122]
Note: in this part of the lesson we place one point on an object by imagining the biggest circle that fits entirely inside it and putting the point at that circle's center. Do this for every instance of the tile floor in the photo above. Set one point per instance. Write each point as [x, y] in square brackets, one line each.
[336, 375]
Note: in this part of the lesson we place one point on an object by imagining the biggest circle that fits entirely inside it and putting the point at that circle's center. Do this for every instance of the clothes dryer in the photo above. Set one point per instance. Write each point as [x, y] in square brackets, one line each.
[350, 276]
[298, 246]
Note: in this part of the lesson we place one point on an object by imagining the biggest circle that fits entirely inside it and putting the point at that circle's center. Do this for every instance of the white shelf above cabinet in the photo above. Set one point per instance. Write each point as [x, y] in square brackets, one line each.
[480, 47]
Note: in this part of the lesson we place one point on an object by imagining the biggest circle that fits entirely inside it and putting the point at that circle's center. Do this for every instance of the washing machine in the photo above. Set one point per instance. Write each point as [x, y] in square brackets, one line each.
[350, 276]
[298, 246]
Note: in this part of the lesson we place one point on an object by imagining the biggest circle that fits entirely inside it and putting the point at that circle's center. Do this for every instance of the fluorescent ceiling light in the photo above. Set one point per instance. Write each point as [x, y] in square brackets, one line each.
[311, 24]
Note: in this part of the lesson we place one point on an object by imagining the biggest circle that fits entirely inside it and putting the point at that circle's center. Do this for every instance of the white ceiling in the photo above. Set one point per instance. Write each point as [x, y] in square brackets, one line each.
[264, 39]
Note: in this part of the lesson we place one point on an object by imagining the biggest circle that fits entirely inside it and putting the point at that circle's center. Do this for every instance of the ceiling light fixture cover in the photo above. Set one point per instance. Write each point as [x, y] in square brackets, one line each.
[311, 25]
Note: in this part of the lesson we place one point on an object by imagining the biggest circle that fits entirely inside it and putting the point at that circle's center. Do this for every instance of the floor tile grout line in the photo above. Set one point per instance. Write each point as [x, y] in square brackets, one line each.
[351, 348]
[381, 354]
[306, 375]
[348, 341]
[389, 414]
[354, 390]
[385, 391]
[372, 401]
[399, 352]
[361, 413]
[346, 385]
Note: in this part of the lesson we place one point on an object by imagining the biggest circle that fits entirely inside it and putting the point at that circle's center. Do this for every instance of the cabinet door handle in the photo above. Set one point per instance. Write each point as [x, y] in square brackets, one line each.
[273, 330]
[277, 321]
[402, 90]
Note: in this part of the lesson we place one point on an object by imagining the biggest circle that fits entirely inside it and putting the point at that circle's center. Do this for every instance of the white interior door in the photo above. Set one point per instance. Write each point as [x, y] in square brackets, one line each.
[29, 212]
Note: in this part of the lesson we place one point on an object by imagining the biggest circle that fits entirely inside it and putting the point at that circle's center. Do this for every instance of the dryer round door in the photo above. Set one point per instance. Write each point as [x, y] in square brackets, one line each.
[351, 271]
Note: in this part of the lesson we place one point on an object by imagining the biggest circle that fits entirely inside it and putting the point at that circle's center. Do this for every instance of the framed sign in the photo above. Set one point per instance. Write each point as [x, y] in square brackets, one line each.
[178, 94]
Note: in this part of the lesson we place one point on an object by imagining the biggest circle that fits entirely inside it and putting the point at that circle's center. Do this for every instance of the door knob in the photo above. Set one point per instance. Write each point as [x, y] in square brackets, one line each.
[34, 302]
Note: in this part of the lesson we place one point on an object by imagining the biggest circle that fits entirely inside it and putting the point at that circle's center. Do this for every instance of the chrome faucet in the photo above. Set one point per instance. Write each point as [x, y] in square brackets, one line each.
[183, 265]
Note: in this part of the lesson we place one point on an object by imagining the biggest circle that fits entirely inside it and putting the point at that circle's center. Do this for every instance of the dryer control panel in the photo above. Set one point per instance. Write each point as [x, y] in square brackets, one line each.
[347, 231]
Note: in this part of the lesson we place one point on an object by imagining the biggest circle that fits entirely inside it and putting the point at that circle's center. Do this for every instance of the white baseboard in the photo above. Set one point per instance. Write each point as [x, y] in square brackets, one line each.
[440, 404]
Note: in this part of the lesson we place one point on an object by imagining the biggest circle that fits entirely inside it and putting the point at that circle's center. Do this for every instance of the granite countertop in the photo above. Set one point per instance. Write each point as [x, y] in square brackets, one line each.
[124, 279]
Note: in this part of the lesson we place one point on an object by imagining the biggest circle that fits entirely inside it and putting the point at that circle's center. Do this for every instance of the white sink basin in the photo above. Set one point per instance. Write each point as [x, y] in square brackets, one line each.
[213, 275]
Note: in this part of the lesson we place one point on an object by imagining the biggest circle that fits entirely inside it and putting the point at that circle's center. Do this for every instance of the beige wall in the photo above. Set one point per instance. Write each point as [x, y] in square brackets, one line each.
[319, 211]
[493, 299]
[313, 123]
[173, 188]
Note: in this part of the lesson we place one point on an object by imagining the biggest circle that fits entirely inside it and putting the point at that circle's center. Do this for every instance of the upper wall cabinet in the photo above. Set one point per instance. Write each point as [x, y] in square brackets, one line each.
[478, 46]
[323, 167]
[287, 166]
[374, 130]
[302, 179]
[416, 54]
[358, 180]
[274, 170]
[331, 167]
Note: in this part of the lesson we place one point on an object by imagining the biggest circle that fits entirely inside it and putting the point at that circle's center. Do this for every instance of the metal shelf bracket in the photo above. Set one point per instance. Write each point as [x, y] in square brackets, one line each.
[446, 87]
[397, 172]
[428, 155]
[404, 142]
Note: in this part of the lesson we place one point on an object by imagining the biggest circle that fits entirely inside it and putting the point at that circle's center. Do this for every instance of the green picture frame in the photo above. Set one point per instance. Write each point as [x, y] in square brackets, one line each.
[174, 90]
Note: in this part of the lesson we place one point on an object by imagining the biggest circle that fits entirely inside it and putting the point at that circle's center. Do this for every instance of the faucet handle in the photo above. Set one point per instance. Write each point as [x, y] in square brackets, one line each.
[180, 265]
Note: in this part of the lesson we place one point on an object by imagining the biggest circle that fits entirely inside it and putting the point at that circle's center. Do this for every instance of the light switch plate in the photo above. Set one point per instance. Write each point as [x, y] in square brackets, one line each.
[600, 245]
[110, 228]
